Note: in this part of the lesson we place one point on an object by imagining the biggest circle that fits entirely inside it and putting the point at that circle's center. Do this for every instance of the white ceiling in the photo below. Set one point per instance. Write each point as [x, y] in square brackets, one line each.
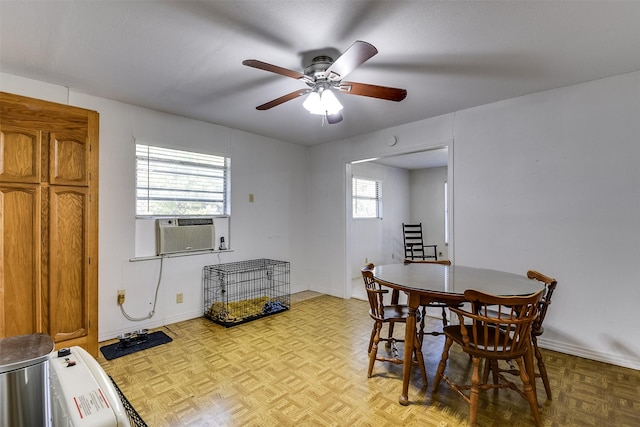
[419, 160]
[185, 57]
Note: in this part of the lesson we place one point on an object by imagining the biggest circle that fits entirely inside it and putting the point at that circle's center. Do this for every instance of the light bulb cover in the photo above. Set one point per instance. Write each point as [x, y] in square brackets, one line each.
[312, 103]
[329, 102]
[322, 102]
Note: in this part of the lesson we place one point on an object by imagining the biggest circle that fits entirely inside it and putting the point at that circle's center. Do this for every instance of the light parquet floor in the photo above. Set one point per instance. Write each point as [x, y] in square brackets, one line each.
[307, 367]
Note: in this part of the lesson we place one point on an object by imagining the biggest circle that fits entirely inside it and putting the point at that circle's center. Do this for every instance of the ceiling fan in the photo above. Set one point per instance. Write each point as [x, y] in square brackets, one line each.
[324, 76]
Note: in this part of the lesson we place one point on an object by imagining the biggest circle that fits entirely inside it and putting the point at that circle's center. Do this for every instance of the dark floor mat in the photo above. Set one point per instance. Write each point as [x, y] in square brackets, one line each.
[113, 351]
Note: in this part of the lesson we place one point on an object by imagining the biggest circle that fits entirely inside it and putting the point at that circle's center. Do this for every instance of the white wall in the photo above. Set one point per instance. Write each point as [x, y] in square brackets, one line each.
[548, 181]
[427, 206]
[380, 240]
[551, 182]
[271, 227]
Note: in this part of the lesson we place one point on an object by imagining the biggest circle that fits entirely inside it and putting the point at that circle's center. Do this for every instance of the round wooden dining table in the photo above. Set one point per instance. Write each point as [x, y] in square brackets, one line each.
[427, 283]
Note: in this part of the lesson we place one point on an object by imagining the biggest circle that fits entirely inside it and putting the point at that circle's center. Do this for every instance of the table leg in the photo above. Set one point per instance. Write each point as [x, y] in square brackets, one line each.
[413, 302]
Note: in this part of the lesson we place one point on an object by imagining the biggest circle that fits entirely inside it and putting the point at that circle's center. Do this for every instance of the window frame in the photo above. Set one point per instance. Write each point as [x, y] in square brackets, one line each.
[191, 155]
[355, 197]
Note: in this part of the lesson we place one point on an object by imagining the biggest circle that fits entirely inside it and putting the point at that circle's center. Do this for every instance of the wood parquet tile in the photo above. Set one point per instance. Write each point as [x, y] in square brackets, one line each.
[308, 367]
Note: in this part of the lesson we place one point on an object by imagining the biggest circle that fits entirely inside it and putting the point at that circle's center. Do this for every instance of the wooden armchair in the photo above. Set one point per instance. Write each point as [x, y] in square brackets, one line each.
[536, 330]
[495, 328]
[389, 314]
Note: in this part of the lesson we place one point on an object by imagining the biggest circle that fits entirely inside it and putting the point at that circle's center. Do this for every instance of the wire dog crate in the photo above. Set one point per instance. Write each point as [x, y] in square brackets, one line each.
[238, 292]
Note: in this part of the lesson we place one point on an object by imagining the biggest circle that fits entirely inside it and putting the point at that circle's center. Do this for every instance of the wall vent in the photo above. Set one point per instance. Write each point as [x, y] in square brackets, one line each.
[174, 235]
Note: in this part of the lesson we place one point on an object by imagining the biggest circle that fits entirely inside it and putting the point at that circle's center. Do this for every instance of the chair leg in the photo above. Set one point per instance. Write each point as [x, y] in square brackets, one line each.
[444, 317]
[529, 391]
[542, 368]
[388, 345]
[490, 366]
[485, 373]
[422, 319]
[474, 396]
[442, 364]
[374, 349]
[417, 349]
[373, 335]
[496, 369]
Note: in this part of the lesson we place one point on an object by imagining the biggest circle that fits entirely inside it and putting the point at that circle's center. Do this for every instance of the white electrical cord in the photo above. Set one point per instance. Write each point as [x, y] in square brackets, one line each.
[155, 300]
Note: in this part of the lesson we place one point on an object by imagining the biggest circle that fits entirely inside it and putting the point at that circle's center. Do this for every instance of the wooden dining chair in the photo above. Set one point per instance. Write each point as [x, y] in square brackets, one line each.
[442, 306]
[536, 330]
[494, 328]
[389, 314]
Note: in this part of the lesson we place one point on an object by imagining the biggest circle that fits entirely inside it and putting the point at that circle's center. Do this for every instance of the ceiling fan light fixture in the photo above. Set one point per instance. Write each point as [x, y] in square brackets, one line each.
[329, 102]
[322, 102]
[312, 103]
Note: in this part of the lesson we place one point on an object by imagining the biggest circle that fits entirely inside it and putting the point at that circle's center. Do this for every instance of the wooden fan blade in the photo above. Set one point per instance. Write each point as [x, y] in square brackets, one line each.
[273, 68]
[354, 56]
[382, 92]
[334, 118]
[282, 99]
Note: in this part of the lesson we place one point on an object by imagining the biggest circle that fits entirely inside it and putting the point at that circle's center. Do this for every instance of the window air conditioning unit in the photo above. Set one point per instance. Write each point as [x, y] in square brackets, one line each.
[176, 235]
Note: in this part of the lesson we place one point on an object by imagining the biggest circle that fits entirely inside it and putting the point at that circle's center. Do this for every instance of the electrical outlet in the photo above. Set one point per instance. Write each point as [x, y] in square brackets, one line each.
[179, 298]
[121, 293]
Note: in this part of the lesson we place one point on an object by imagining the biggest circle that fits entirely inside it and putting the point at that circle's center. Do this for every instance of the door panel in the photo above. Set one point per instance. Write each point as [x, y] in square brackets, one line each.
[69, 157]
[19, 154]
[68, 291]
[20, 290]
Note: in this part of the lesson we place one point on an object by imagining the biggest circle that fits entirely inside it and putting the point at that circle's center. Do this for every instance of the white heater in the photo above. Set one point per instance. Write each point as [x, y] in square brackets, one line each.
[82, 395]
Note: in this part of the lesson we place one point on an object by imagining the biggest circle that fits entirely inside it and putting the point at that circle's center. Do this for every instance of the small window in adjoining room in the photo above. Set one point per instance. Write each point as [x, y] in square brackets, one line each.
[446, 213]
[367, 198]
[180, 183]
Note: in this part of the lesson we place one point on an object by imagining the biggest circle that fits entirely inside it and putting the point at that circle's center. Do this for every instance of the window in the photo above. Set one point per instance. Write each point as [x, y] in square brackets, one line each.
[367, 198]
[180, 183]
[446, 213]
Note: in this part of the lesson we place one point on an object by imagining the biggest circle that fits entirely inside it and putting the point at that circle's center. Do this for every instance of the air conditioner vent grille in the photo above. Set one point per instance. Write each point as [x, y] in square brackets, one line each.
[175, 235]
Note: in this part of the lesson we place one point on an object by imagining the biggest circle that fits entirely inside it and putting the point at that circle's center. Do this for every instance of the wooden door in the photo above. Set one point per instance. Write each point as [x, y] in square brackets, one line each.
[49, 221]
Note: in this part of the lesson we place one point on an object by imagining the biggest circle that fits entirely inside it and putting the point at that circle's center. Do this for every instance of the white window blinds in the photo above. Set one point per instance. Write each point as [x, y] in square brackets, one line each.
[180, 183]
[367, 198]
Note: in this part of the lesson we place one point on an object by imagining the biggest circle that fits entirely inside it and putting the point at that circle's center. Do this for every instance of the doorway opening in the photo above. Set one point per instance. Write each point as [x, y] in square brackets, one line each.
[414, 187]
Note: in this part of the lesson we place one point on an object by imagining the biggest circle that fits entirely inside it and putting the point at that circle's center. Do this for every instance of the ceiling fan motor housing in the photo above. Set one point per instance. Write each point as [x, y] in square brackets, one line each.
[318, 67]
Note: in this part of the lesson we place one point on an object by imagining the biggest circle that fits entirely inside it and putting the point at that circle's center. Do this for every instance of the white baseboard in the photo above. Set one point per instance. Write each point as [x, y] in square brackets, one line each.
[614, 359]
[182, 317]
[150, 324]
[328, 291]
